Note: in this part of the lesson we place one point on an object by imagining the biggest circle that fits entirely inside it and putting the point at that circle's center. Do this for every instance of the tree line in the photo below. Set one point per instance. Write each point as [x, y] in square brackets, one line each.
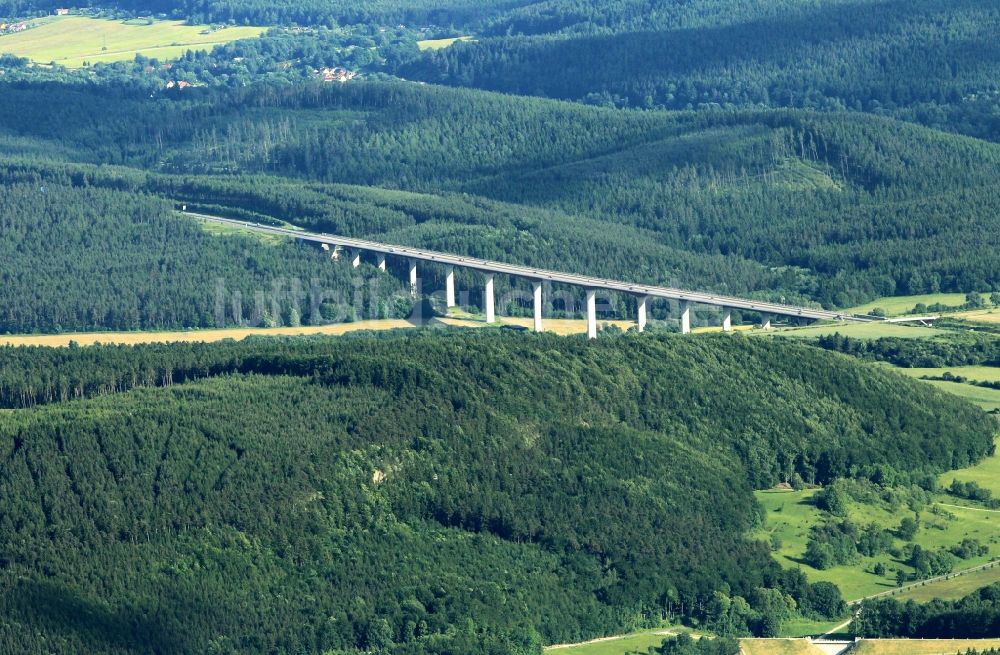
[974, 616]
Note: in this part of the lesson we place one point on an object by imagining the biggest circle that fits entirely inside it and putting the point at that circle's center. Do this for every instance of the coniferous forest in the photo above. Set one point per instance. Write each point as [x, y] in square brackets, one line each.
[449, 491]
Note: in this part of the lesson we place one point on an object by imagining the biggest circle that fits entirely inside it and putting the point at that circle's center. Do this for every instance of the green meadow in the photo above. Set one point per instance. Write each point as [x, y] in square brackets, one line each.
[898, 305]
[73, 40]
[438, 44]
[791, 514]
[875, 330]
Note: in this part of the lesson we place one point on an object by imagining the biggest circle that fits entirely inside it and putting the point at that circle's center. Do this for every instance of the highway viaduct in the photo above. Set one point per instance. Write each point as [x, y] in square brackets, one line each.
[643, 293]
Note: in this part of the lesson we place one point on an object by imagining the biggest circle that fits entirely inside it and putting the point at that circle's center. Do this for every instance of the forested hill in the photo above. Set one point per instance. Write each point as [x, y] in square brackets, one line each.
[930, 61]
[460, 492]
[836, 208]
[83, 258]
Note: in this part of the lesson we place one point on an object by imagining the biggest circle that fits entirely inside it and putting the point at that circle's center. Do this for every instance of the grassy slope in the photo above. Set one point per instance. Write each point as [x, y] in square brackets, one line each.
[986, 398]
[795, 516]
[634, 642]
[986, 473]
[952, 589]
[790, 515]
[72, 40]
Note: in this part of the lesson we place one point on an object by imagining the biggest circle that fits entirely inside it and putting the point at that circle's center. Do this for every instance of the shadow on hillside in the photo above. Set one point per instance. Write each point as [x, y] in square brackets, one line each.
[55, 610]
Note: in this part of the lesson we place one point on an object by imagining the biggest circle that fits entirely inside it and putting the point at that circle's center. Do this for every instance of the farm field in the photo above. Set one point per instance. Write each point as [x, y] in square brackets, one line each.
[438, 44]
[779, 647]
[635, 642]
[980, 315]
[898, 305]
[985, 397]
[639, 642]
[561, 326]
[205, 336]
[863, 331]
[986, 473]
[557, 326]
[952, 589]
[921, 646]
[73, 40]
[979, 373]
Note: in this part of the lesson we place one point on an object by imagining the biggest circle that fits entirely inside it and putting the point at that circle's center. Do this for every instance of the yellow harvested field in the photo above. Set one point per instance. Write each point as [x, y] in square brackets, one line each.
[561, 326]
[557, 326]
[73, 40]
[438, 44]
[204, 336]
[922, 646]
[778, 647]
[718, 328]
[980, 315]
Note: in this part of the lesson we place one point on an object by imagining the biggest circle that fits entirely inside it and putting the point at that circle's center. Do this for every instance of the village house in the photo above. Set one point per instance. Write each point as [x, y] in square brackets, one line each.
[335, 74]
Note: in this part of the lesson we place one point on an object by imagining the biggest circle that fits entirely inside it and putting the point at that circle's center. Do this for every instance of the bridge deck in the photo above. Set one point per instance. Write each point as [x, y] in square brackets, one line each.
[532, 273]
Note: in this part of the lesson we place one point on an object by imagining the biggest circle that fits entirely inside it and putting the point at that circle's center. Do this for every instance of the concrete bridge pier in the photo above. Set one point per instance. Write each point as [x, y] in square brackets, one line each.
[488, 300]
[537, 294]
[641, 313]
[765, 323]
[413, 278]
[449, 286]
[381, 261]
[591, 313]
[685, 317]
[356, 258]
[727, 320]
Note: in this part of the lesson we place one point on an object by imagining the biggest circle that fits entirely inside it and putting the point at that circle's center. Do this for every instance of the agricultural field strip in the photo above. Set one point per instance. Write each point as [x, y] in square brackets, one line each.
[921, 583]
[71, 40]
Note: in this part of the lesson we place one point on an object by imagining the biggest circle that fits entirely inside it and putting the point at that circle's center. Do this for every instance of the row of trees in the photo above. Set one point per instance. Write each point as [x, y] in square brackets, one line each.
[974, 616]
[966, 349]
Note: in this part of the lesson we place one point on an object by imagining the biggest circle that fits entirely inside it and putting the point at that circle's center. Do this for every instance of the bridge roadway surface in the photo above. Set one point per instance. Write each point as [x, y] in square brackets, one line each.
[532, 273]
